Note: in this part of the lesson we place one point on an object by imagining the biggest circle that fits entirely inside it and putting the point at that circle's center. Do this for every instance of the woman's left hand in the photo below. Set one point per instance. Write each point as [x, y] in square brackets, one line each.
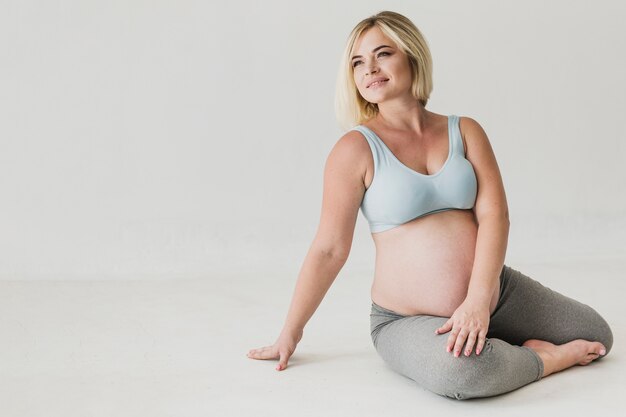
[470, 321]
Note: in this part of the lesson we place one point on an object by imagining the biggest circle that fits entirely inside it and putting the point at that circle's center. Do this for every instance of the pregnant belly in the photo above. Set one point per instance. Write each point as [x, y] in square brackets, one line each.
[424, 266]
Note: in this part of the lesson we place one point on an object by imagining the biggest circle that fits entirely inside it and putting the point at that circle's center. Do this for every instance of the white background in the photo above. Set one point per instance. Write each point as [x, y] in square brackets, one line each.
[161, 180]
[161, 139]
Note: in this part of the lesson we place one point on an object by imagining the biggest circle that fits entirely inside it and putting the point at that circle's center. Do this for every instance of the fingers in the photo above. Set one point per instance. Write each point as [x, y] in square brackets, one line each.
[481, 342]
[282, 364]
[267, 352]
[459, 342]
[468, 324]
[462, 336]
[452, 338]
[445, 328]
[270, 352]
[471, 341]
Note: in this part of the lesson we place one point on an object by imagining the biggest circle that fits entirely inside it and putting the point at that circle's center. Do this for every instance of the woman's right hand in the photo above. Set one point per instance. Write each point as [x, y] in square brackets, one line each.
[282, 349]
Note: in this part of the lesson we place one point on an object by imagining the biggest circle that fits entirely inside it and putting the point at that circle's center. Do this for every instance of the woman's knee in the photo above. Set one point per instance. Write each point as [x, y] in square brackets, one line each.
[586, 323]
[603, 333]
[473, 376]
[500, 367]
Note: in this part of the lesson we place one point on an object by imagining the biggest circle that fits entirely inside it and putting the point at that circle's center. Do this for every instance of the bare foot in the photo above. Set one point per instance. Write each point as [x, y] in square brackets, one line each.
[558, 357]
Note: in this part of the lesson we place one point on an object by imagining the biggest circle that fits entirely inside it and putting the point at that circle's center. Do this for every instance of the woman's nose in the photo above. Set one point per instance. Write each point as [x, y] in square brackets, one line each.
[372, 67]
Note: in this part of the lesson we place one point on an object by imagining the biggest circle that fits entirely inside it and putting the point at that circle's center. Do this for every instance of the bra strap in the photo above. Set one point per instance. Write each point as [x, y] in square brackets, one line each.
[455, 135]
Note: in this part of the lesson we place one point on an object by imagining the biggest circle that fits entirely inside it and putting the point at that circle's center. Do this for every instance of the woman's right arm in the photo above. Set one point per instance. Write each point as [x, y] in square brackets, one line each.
[344, 187]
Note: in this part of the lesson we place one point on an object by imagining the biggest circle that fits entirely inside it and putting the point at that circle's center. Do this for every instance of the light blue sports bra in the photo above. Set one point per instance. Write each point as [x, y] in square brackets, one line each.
[398, 194]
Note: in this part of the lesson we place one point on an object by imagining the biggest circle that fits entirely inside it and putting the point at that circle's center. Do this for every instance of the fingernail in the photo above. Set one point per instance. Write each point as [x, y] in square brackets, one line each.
[456, 353]
[602, 352]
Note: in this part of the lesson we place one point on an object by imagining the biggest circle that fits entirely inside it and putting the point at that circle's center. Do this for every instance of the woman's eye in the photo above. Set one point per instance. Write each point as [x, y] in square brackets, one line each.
[354, 64]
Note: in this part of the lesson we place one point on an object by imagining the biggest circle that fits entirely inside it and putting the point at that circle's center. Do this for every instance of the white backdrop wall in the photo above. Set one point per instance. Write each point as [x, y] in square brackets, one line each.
[164, 139]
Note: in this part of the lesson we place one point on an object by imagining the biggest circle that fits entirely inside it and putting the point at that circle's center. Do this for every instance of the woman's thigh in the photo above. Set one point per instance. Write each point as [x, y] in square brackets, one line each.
[409, 346]
[529, 310]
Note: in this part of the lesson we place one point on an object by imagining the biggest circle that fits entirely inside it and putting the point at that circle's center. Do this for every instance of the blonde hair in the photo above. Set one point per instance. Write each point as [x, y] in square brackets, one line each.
[351, 108]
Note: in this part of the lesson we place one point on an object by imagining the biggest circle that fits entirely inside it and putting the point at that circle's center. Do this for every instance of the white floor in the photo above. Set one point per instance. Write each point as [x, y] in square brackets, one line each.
[178, 348]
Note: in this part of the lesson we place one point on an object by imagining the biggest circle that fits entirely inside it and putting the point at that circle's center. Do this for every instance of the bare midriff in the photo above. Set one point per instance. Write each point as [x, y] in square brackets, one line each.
[424, 266]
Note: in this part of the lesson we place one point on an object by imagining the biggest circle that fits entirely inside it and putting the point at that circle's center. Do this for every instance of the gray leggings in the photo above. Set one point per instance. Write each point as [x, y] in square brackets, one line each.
[526, 310]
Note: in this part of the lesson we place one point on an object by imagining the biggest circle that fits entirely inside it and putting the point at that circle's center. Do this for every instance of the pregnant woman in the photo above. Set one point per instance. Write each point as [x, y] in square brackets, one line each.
[446, 311]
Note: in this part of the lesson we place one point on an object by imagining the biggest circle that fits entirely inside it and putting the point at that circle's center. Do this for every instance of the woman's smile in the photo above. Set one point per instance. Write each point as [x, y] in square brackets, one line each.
[377, 84]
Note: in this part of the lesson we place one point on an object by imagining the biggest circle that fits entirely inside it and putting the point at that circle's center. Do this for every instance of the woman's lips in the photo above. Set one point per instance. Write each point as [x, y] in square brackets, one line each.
[377, 84]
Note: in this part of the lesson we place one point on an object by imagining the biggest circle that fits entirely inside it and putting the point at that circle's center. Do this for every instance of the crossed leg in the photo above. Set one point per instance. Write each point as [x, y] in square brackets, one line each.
[562, 331]
[533, 332]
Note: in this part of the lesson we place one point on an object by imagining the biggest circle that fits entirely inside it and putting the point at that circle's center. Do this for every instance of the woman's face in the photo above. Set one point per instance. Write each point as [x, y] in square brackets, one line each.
[375, 57]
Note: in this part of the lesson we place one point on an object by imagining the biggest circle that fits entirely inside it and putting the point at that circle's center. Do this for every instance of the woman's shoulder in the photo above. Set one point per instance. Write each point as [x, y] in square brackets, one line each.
[353, 141]
[352, 150]
[475, 139]
[468, 120]
[469, 126]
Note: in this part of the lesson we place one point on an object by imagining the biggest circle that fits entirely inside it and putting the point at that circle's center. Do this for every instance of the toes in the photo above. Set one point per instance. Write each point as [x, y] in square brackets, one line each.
[590, 357]
[599, 349]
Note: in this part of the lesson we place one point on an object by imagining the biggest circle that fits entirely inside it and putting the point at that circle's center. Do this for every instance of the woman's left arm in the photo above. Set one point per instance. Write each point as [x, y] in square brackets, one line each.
[470, 321]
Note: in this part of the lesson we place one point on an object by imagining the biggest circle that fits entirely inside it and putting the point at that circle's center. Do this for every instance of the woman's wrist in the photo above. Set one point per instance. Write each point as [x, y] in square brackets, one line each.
[478, 301]
[292, 331]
